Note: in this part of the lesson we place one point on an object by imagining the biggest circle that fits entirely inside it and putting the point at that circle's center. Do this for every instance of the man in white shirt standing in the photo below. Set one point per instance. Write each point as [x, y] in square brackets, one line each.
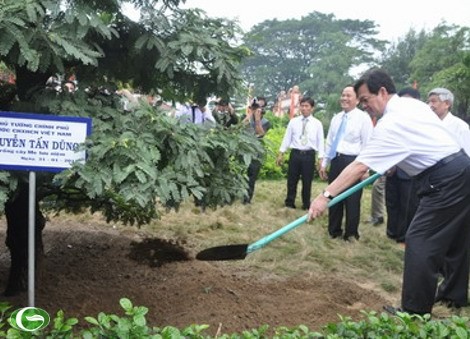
[441, 100]
[410, 136]
[349, 132]
[196, 113]
[304, 135]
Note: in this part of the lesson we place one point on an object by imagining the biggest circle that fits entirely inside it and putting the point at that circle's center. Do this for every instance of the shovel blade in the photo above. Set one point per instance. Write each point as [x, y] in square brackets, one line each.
[229, 252]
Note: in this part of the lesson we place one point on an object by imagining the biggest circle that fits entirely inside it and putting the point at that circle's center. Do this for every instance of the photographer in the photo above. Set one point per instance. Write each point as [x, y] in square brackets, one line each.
[255, 122]
[224, 114]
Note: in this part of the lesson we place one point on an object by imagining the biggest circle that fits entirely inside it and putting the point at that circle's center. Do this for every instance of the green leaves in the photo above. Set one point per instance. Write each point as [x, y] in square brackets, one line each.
[133, 324]
[139, 162]
[34, 34]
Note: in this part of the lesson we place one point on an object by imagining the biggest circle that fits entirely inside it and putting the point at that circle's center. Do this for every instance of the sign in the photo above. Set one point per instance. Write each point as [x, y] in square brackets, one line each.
[38, 142]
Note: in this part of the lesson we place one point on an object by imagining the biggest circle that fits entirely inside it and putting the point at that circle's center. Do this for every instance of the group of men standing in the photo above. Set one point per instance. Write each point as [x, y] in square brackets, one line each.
[412, 137]
[349, 131]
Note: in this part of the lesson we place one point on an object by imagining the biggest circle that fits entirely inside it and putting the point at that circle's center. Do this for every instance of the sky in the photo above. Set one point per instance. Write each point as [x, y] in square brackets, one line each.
[394, 18]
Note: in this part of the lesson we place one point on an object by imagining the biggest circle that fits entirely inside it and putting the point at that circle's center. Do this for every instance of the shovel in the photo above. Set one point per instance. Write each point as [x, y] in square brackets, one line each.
[238, 252]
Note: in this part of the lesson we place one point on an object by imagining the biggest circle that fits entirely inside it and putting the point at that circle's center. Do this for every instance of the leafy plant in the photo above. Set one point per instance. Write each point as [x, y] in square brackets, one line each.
[133, 324]
[144, 160]
[272, 142]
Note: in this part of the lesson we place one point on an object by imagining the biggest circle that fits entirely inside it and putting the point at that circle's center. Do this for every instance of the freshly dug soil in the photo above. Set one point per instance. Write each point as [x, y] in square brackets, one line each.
[88, 268]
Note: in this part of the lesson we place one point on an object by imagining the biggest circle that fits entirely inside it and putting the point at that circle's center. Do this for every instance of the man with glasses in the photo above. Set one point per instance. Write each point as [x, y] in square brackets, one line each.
[410, 136]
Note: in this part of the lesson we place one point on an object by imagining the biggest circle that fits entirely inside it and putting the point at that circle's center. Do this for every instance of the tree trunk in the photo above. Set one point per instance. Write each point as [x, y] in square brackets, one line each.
[16, 212]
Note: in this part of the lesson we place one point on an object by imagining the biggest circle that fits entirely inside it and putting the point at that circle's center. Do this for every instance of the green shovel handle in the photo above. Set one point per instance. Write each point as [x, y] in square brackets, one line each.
[270, 237]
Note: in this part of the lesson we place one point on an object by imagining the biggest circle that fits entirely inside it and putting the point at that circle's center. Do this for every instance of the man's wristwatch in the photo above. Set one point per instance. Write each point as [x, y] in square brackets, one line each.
[327, 195]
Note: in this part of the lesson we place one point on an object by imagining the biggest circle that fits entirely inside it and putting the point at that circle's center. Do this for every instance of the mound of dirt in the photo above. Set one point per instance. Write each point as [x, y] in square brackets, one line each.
[86, 270]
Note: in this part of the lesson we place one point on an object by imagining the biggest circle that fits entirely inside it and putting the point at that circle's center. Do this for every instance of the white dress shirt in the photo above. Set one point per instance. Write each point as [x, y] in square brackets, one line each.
[313, 131]
[185, 113]
[409, 135]
[459, 130]
[358, 131]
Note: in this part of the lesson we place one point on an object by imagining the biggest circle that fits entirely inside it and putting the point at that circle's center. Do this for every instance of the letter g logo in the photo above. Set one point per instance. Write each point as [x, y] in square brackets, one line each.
[29, 319]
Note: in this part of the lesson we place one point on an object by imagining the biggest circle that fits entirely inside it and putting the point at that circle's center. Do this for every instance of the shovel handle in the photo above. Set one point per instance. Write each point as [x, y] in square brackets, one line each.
[270, 237]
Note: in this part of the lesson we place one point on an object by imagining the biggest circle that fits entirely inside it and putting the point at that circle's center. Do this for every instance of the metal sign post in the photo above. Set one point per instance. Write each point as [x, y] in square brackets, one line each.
[31, 237]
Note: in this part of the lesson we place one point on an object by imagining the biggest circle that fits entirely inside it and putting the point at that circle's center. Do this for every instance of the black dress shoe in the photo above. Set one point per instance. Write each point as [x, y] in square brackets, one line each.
[290, 206]
[395, 310]
[349, 237]
[378, 221]
[449, 303]
[392, 309]
[334, 236]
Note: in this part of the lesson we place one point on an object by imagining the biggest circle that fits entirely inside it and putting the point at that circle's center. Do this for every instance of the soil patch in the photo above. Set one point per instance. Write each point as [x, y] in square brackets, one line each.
[88, 268]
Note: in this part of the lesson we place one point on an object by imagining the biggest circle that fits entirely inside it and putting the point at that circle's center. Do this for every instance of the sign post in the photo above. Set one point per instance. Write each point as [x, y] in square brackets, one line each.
[31, 237]
[37, 142]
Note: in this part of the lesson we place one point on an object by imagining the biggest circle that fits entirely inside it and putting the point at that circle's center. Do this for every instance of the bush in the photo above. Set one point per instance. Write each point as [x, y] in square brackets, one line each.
[133, 324]
[272, 142]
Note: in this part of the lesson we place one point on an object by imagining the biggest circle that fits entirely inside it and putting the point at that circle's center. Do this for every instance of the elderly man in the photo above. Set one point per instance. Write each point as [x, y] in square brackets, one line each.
[441, 100]
[410, 136]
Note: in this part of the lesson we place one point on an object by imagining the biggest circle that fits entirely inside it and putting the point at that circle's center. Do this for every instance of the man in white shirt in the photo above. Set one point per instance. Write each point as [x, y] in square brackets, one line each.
[409, 135]
[304, 135]
[441, 100]
[349, 132]
[197, 114]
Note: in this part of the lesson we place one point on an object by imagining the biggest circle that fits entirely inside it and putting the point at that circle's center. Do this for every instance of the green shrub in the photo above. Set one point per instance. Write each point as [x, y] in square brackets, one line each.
[133, 324]
[272, 142]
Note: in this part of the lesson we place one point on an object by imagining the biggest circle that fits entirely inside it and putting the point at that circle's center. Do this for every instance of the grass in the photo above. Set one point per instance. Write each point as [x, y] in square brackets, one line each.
[374, 261]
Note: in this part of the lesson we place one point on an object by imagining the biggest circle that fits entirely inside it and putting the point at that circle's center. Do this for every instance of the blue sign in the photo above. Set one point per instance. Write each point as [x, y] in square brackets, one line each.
[39, 142]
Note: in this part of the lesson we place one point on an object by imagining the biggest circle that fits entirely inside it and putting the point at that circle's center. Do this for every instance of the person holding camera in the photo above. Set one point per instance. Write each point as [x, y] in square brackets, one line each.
[255, 122]
[224, 114]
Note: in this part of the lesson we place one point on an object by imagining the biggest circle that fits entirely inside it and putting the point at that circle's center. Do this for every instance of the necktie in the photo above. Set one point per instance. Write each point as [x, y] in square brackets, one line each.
[338, 137]
[303, 138]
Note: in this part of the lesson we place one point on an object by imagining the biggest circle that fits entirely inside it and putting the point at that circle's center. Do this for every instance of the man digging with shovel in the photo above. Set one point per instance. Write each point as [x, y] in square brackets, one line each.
[410, 136]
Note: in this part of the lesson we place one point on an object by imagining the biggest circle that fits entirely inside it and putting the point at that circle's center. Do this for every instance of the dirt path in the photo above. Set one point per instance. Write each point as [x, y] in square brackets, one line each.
[88, 268]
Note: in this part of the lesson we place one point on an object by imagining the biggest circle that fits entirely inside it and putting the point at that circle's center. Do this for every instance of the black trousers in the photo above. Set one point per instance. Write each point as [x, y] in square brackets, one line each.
[438, 238]
[253, 172]
[352, 204]
[401, 201]
[301, 165]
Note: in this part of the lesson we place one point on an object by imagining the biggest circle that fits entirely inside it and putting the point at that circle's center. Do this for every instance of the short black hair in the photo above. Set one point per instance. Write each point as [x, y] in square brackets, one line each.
[201, 102]
[375, 79]
[309, 100]
[262, 98]
[410, 91]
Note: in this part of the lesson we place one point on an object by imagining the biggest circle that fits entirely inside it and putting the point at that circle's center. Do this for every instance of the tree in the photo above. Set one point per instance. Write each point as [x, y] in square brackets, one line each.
[396, 60]
[137, 162]
[443, 62]
[316, 52]
[457, 79]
